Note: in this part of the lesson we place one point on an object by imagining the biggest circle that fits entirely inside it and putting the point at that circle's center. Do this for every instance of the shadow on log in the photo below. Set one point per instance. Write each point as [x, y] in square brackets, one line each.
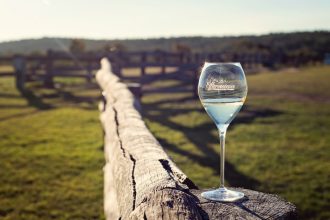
[141, 181]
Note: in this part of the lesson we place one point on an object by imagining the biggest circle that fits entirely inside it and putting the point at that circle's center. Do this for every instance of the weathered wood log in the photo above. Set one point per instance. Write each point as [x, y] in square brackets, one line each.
[141, 181]
[255, 205]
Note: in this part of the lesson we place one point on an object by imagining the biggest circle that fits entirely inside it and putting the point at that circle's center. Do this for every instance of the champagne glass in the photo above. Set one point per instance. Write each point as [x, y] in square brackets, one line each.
[222, 89]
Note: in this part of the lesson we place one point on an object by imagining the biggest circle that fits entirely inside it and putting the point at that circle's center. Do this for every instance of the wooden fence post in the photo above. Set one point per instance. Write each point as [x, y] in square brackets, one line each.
[143, 62]
[142, 182]
[197, 59]
[181, 57]
[89, 73]
[163, 61]
[20, 68]
[195, 81]
[48, 80]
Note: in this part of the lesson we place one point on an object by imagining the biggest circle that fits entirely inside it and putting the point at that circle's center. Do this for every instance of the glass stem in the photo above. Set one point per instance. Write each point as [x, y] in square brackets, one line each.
[222, 134]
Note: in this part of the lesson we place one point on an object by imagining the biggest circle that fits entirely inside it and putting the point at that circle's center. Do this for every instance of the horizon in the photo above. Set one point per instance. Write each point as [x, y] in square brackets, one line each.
[148, 19]
[165, 37]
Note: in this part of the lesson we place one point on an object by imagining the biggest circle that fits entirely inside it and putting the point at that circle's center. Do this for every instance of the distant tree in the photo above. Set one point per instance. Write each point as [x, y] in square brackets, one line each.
[181, 48]
[77, 46]
[8, 53]
[107, 47]
[117, 46]
[36, 53]
[114, 47]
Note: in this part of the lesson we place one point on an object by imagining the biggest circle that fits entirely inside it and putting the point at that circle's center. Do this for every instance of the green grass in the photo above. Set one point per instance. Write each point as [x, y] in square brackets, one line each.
[6, 68]
[51, 154]
[279, 143]
[51, 143]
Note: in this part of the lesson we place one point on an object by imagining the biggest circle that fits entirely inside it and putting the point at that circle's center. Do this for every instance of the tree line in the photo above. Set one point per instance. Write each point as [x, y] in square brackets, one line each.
[286, 48]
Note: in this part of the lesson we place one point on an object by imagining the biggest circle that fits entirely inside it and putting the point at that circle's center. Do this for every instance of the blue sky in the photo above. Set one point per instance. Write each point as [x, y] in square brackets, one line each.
[109, 19]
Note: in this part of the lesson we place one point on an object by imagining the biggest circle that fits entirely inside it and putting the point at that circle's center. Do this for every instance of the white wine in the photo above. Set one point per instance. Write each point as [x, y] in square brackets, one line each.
[222, 110]
[222, 90]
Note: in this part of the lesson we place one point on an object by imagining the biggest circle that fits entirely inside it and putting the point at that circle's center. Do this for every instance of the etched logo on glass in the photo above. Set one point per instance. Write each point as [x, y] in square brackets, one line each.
[219, 84]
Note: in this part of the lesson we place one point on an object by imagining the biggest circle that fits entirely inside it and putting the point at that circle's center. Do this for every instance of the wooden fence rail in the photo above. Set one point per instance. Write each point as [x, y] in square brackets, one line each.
[139, 59]
[142, 182]
[65, 64]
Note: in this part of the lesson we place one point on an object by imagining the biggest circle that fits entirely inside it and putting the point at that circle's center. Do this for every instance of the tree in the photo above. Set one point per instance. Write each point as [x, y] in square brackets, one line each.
[114, 47]
[107, 48]
[181, 48]
[77, 46]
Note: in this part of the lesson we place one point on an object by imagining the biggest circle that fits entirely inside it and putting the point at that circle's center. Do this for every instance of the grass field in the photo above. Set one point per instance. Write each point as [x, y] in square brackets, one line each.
[51, 154]
[51, 144]
[279, 143]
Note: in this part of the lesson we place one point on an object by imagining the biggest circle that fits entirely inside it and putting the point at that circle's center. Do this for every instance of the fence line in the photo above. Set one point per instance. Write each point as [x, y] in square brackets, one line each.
[59, 64]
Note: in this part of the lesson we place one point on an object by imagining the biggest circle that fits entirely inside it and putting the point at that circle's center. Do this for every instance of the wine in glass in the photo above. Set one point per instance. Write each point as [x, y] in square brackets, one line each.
[222, 89]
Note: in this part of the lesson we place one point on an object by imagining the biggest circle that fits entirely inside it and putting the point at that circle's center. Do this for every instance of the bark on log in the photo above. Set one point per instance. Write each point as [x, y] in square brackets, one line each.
[255, 205]
[141, 181]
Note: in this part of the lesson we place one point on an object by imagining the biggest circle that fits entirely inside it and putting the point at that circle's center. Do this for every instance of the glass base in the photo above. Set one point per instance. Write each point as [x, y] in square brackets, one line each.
[222, 195]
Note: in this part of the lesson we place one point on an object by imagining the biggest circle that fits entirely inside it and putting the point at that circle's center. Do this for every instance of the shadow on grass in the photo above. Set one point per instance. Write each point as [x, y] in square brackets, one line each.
[62, 95]
[34, 100]
[23, 114]
[77, 100]
[31, 98]
[201, 135]
[11, 96]
[234, 177]
[43, 99]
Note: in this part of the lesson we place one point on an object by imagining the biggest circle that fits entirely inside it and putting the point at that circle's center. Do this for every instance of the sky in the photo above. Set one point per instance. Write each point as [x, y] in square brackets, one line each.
[126, 19]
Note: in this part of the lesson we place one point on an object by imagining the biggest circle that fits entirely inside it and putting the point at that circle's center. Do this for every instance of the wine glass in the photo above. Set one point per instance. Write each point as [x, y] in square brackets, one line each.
[222, 89]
